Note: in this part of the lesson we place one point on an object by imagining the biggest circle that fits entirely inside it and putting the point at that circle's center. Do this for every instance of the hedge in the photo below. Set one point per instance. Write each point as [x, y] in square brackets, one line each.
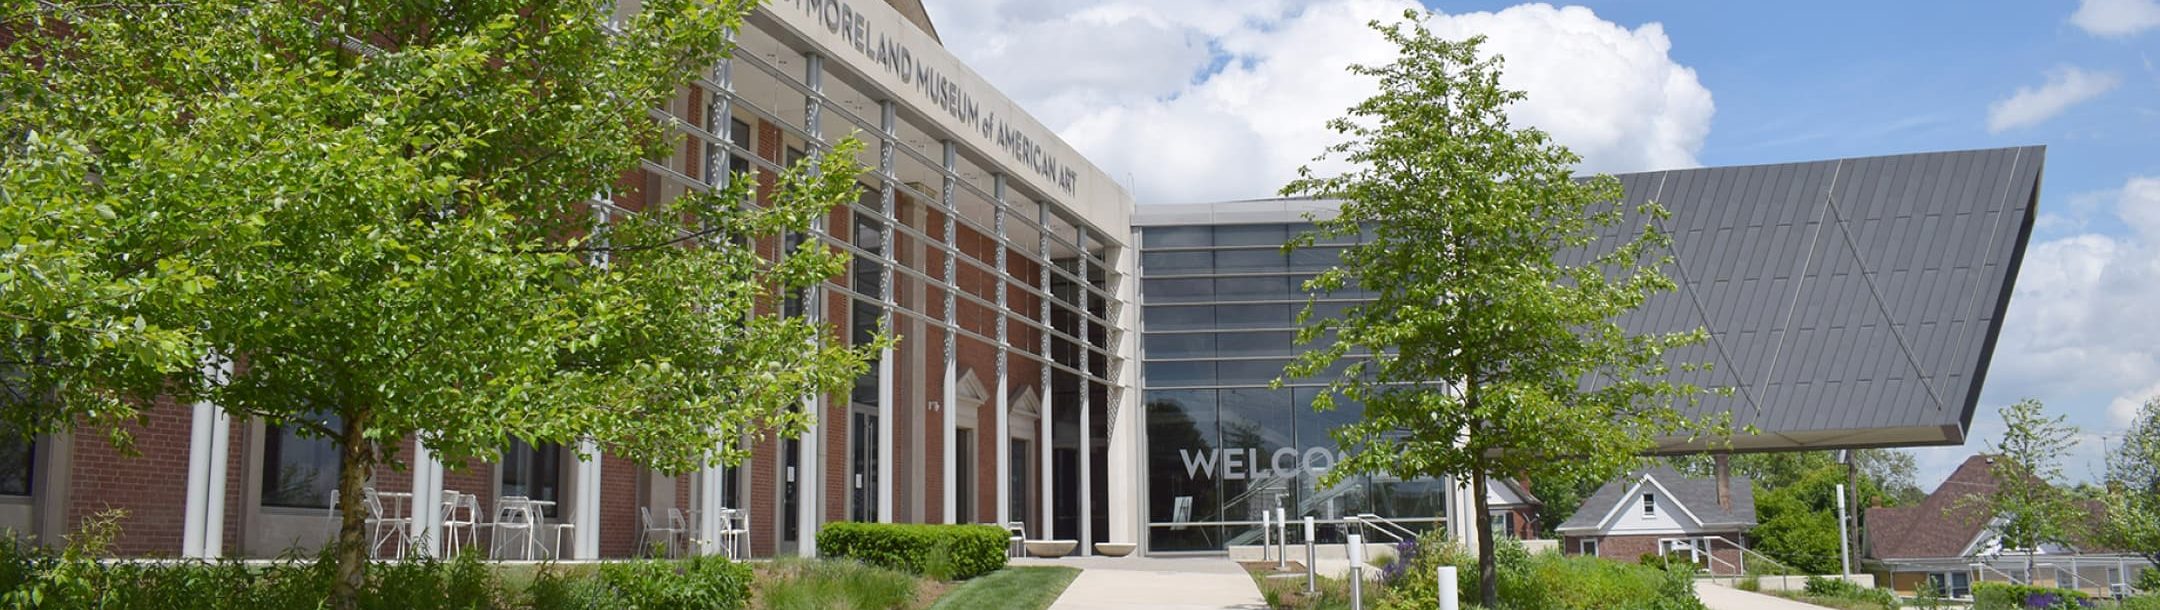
[945, 552]
[2004, 596]
[31, 577]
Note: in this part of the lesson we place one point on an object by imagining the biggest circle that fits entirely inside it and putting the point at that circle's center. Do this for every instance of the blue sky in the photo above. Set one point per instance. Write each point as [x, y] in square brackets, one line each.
[1226, 97]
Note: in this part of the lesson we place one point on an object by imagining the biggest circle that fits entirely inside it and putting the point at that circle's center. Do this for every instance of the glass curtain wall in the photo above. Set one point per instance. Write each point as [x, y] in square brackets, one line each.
[1222, 448]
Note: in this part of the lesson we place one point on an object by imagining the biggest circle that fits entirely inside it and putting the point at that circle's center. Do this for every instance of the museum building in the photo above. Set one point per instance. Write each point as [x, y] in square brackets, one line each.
[1083, 371]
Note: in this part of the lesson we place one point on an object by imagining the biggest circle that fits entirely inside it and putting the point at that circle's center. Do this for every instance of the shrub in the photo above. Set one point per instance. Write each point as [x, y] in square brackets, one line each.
[1840, 588]
[1751, 584]
[1542, 581]
[944, 552]
[794, 584]
[701, 582]
[2148, 581]
[2004, 596]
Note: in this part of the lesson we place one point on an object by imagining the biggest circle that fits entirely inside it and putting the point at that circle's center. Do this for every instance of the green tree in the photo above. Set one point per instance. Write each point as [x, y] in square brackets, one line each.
[1482, 336]
[2133, 487]
[385, 211]
[2025, 509]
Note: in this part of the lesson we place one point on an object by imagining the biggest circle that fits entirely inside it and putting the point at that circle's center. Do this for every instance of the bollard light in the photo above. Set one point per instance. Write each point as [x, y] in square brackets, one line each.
[1447, 583]
[1356, 552]
[1312, 584]
[1282, 540]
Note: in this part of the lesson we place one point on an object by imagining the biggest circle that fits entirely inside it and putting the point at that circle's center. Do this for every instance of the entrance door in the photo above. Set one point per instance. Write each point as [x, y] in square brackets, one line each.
[790, 517]
[863, 466]
[964, 472]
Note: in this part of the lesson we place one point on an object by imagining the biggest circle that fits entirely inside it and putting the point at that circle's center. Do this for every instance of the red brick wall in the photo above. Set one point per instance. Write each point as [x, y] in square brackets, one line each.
[619, 502]
[151, 487]
[1630, 549]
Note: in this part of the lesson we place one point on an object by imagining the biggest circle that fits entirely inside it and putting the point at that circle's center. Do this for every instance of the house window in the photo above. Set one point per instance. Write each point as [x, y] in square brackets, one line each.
[1588, 547]
[534, 472]
[1955, 585]
[1649, 506]
[300, 469]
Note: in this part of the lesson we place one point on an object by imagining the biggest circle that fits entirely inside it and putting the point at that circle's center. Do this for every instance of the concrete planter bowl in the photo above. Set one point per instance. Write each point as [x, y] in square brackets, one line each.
[1115, 549]
[1051, 548]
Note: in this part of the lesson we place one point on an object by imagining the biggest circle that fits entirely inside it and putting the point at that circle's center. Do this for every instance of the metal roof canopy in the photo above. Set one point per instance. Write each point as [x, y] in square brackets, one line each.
[1850, 303]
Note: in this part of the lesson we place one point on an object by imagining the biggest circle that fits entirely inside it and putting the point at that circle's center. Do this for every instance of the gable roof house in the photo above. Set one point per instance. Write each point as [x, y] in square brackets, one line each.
[1946, 540]
[1660, 511]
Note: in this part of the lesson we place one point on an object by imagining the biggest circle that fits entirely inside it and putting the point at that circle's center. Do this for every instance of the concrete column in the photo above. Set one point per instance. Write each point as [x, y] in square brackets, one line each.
[585, 500]
[1087, 442]
[427, 516]
[1128, 495]
[712, 479]
[209, 442]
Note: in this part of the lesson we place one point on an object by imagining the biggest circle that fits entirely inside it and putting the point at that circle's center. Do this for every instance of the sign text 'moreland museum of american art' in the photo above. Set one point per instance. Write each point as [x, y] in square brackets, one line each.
[898, 59]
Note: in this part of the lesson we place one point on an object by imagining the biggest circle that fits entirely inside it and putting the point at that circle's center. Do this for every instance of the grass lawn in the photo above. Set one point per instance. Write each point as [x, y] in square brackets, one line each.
[1016, 587]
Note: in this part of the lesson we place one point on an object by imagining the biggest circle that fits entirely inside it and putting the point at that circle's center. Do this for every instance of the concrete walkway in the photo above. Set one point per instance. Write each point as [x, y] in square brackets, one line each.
[1721, 597]
[1151, 583]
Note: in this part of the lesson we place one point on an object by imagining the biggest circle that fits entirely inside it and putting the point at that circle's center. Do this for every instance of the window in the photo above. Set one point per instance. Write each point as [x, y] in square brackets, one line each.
[964, 476]
[18, 463]
[534, 472]
[1649, 506]
[1955, 585]
[1017, 487]
[300, 469]
[1588, 546]
[739, 135]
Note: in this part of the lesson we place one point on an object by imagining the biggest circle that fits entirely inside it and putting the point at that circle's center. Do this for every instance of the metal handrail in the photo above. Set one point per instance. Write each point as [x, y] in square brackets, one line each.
[1383, 525]
[1985, 567]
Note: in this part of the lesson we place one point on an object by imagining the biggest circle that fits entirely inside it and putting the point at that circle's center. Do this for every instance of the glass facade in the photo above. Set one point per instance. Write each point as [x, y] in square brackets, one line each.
[300, 470]
[1221, 306]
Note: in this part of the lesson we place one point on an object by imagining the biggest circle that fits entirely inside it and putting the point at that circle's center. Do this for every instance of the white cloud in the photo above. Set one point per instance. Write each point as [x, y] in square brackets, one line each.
[2116, 18]
[1224, 99]
[2123, 411]
[2066, 87]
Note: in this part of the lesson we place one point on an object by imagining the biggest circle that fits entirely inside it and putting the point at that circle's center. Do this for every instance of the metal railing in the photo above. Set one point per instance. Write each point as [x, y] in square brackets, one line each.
[1377, 523]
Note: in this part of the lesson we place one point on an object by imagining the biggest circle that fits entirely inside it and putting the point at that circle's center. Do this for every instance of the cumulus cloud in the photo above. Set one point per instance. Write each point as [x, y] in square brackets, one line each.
[2066, 87]
[2116, 18]
[1224, 99]
[2080, 325]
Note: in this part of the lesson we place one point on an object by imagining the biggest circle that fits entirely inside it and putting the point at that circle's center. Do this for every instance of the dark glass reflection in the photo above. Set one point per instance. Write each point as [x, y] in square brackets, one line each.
[1181, 440]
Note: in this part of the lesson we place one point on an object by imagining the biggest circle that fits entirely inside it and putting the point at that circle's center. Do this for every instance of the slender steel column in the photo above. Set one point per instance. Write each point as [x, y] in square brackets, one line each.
[1004, 402]
[712, 479]
[811, 491]
[888, 122]
[952, 333]
[1047, 449]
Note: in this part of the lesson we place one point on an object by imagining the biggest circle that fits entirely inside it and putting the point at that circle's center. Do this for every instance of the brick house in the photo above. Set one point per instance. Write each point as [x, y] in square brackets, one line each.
[1947, 541]
[1661, 511]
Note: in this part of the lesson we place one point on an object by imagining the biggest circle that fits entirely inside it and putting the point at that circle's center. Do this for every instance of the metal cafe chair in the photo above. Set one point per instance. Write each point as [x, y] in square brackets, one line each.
[383, 528]
[647, 529]
[1016, 539]
[469, 504]
[512, 514]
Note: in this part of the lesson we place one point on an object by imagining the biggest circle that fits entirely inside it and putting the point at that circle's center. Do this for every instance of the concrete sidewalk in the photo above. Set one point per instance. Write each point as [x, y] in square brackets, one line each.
[1721, 597]
[1197, 583]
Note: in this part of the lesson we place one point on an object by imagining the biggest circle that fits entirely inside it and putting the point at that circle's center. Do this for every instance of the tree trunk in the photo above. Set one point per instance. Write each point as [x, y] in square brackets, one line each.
[1488, 569]
[352, 544]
